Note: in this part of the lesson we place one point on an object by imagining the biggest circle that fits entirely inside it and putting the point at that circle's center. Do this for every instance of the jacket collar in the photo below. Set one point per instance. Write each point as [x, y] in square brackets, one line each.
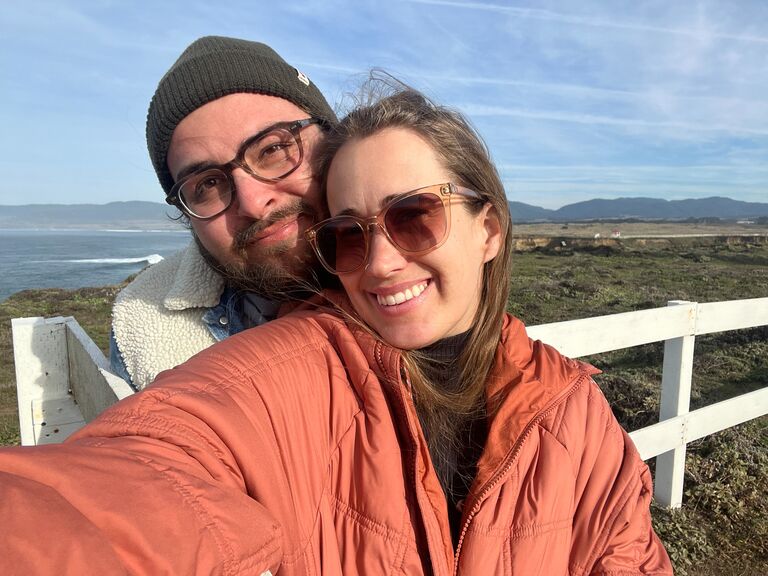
[526, 376]
[380, 357]
[527, 379]
[196, 284]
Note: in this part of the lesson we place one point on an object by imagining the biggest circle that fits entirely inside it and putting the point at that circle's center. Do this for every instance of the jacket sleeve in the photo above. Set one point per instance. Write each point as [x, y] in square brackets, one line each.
[171, 480]
[193, 475]
[126, 506]
[612, 518]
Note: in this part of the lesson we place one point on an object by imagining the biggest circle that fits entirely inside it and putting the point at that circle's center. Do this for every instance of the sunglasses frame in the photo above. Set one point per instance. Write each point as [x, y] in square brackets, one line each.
[447, 192]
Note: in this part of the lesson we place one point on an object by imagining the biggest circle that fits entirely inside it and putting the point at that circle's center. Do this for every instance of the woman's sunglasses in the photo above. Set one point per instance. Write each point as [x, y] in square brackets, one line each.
[416, 223]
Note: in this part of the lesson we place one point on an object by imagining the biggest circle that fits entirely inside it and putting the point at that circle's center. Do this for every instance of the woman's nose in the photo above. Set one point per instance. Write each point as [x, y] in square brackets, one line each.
[383, 257]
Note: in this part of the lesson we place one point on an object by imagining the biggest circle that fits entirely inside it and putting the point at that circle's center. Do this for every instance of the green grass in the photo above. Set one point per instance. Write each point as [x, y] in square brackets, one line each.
[551, 286]
[722, 529]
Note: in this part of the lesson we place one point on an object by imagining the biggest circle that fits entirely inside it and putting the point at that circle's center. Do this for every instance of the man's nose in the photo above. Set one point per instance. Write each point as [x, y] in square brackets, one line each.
[383, 257]
[254, 199]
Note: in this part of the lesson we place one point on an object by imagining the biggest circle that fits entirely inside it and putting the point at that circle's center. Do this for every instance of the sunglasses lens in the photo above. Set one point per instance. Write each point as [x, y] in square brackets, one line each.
[416, 223]
[341, 244]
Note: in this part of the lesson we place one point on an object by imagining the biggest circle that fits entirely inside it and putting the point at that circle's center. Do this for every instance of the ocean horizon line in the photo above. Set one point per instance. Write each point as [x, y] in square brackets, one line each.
[109, 230]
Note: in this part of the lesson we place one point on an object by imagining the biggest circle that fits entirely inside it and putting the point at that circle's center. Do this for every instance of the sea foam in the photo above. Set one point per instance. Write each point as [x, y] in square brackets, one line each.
[150, 259]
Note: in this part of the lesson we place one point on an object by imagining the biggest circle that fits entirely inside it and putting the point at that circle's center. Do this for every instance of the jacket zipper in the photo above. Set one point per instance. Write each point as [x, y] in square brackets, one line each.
[507, 465]
[411, 468]
[402, 378]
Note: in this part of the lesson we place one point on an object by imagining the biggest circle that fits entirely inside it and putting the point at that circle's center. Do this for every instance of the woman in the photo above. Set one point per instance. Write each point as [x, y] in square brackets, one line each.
[428, 266]
[420, 239]
[423, 433]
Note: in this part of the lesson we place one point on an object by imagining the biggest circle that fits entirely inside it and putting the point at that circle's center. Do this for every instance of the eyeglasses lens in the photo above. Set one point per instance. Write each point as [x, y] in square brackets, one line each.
[207, 193]
[415, 224]
[273, 155]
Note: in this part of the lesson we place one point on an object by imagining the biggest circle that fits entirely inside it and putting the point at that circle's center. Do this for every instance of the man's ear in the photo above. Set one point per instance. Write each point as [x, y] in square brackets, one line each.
[492, 227]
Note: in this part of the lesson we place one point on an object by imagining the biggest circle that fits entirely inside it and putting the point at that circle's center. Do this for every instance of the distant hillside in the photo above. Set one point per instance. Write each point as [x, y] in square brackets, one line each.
[522, 212]
[154, 215]
[643, 209]
[121, 215]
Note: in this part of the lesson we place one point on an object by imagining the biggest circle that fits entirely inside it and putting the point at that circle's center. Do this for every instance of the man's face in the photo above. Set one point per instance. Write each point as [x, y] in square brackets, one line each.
[259, 238]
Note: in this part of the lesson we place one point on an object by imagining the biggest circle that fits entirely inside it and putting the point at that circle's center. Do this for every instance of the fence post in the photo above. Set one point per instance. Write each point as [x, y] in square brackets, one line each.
[676, 378]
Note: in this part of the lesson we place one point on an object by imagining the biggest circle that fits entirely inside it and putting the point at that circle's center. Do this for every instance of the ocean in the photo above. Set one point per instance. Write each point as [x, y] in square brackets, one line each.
[79, 258]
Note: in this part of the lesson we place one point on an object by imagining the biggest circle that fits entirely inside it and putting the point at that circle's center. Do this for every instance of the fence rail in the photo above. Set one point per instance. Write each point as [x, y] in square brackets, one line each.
[63, 379]
[677, 326]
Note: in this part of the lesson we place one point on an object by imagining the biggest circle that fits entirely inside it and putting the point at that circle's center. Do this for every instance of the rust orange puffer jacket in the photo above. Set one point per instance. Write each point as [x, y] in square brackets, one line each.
[294, 448]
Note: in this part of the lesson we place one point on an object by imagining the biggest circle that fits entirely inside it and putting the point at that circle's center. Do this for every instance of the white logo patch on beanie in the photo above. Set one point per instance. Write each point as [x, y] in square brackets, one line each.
[302, 77]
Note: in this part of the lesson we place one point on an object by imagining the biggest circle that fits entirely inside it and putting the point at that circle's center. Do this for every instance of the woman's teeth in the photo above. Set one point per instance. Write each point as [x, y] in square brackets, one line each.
[400, 297]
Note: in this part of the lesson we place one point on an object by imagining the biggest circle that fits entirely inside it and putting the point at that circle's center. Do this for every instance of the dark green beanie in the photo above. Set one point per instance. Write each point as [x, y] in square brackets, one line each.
[212, 67]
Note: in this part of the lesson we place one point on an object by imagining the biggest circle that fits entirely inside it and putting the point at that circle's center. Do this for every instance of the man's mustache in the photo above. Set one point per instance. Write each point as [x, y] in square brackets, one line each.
[243, 238]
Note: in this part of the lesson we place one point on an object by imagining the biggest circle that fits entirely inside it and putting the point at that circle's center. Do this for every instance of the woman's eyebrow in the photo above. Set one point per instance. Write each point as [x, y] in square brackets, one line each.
[386, 200]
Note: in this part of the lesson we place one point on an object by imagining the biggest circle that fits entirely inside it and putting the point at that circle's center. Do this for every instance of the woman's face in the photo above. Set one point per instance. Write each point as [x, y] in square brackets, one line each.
[411, 301]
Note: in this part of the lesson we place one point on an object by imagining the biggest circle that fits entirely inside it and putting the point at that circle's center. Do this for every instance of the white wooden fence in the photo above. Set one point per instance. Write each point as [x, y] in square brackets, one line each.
[63, 379]
[677, 325]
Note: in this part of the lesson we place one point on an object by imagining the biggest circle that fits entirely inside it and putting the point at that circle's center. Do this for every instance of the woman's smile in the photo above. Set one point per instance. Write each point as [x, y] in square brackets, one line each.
[399, 297]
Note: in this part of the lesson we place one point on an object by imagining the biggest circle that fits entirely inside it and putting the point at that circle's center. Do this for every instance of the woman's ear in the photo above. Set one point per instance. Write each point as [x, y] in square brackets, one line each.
[492, 227]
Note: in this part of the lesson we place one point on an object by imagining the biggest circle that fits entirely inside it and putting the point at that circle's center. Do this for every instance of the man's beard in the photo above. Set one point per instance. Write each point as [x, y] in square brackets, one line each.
[278, 272]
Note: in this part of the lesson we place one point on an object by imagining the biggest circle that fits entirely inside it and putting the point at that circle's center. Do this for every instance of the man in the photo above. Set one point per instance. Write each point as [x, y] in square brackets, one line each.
[231, 132]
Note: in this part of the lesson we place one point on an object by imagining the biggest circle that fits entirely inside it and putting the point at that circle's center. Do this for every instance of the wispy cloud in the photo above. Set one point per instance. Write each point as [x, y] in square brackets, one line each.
[600, 93]
[556, 116]
[549, 15]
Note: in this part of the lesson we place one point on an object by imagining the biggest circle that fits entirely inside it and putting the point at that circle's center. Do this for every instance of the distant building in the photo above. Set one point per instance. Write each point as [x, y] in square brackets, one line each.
[615, 233]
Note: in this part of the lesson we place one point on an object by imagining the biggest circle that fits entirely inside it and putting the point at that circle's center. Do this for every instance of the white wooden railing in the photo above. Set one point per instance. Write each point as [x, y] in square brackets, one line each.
[677, 325]
[63, 379]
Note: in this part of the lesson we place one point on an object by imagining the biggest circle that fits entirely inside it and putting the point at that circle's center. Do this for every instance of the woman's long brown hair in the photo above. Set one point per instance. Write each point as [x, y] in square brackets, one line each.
[464, 154]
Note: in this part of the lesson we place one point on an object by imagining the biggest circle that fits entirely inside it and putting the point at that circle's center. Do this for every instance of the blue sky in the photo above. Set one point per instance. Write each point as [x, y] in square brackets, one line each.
[576, 99]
